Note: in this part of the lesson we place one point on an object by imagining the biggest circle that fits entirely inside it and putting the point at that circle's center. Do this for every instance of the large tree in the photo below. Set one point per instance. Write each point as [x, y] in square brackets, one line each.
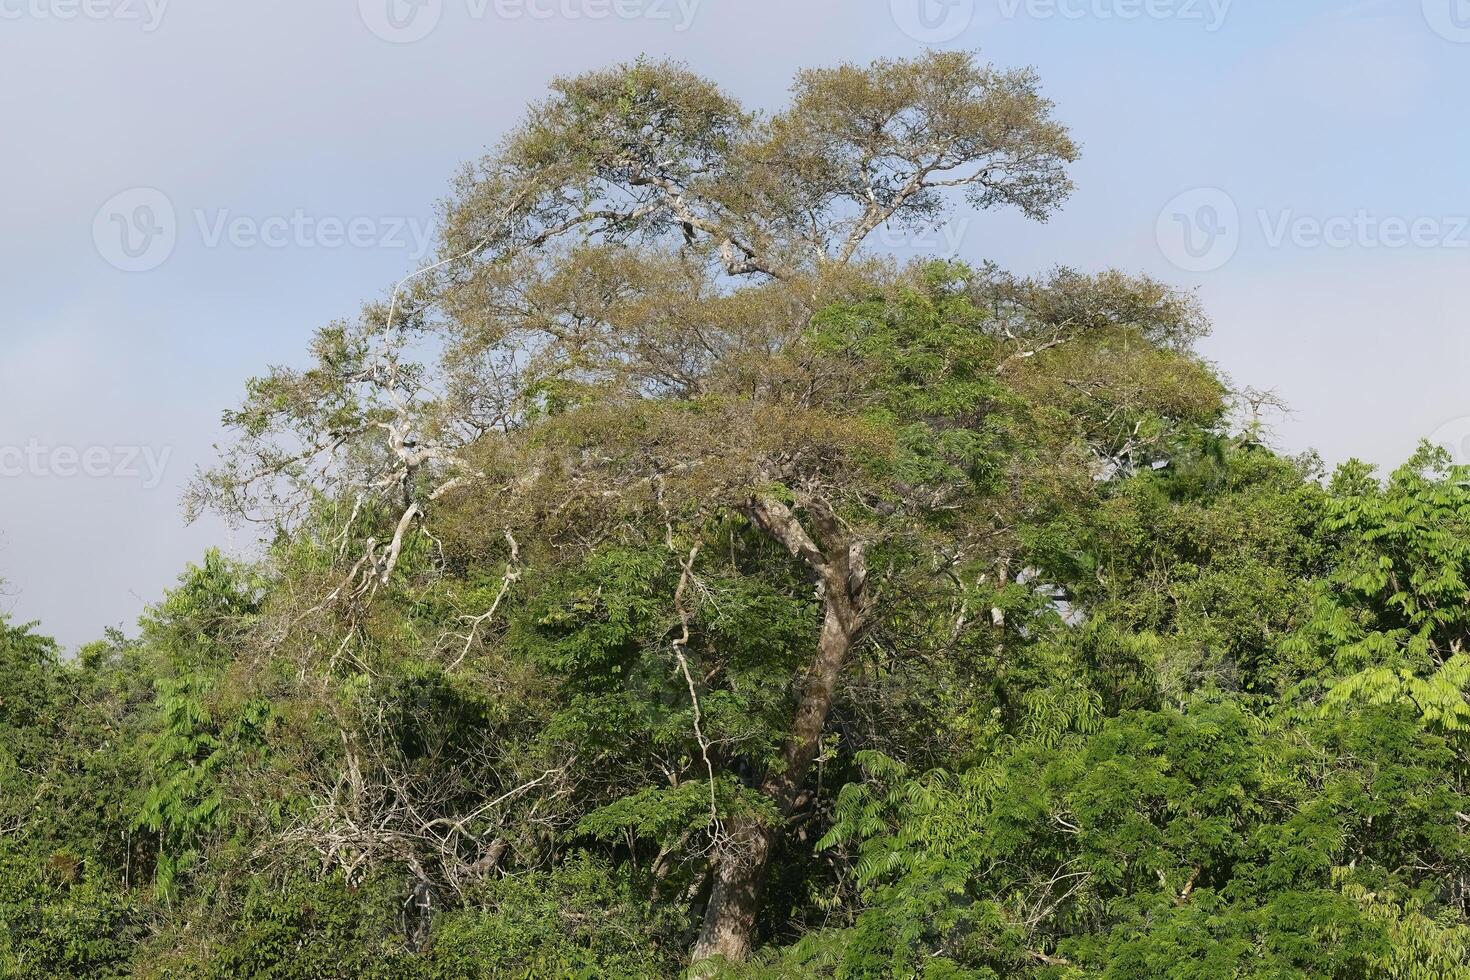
[655, 306]
[664, 576]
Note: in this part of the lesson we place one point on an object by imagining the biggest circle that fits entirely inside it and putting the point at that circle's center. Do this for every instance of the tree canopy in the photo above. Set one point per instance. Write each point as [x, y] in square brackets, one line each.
[664, 580]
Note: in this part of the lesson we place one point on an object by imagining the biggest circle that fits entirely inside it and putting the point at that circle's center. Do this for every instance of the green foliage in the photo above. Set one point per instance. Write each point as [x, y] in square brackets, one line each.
[298, 930]
[1168, 843]
[940, 610]
[31, 697]
[1395, 610]
[584, 920]
[1214, 728]
[61, 919]
[194, 741]
[66, 777]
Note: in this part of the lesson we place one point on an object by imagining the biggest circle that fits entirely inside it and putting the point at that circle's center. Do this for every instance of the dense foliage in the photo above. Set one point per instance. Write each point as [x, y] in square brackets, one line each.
[702, 593]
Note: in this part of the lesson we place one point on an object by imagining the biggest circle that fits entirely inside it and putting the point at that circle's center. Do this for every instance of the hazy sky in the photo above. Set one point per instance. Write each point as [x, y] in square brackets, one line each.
[191, 186]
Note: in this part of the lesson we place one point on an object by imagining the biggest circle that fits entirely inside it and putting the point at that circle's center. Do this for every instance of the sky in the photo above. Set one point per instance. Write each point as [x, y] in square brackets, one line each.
[190, 187]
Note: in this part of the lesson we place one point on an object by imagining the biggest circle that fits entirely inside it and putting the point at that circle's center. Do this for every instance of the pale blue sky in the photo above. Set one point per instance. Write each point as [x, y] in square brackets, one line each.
[1335, 131]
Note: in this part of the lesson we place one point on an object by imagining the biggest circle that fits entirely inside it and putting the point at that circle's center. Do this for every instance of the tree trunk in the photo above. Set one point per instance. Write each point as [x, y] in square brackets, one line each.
[734, 900]
[729, 919]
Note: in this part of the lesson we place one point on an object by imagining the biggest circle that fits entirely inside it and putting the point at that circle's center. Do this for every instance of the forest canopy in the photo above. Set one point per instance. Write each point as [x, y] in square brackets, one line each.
[665, 581]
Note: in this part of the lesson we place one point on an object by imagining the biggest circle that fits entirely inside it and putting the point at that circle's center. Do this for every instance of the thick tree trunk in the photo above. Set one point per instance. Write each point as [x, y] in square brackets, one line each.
[729, 920]
[734, 900]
